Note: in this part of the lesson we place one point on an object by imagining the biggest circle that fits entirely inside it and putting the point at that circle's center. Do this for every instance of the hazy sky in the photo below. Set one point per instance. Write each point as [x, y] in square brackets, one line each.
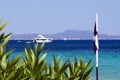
[52, 16]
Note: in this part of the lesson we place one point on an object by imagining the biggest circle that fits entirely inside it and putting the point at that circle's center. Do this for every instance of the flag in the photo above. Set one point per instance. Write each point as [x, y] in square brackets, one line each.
[95, 41]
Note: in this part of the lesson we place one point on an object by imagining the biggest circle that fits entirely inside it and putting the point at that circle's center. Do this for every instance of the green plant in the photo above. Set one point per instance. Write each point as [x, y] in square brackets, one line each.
[79, 70]
[34, 64]
[56, 70]
[8, 67]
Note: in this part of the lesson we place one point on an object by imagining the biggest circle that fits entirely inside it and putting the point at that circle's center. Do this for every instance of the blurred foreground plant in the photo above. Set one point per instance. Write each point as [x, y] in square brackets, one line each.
[8, 67]
[79, 70]
[34, 64]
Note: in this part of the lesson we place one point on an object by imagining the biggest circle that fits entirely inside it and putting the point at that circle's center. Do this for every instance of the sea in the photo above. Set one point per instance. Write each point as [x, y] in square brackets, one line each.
[109, 54]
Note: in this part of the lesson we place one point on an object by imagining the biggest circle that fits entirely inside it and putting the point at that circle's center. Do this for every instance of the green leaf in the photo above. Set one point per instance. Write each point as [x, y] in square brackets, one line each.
[27, 55]
[3, 25]
[1, 36]
[87, 74]
[42, 58]
[81, 62]
[77, 71]
[11, 75]
[35, 48]
[50, 70]
[7, 35]
[9, 53]
[6, 40]
[13, 62]
[70, 69]
[1, 20]
[3, 63]
[75, 62]
[1, 52]
[64, 67]
[55, 61]
[86, 65]
[25, 78]
[66, 74]
[40, 49]
[72, 77]
[39, 69]
[33, 59]
[4, 58]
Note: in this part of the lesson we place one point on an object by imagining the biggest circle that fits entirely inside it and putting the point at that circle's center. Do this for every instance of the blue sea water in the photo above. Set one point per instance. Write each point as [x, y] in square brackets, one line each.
[109, 54]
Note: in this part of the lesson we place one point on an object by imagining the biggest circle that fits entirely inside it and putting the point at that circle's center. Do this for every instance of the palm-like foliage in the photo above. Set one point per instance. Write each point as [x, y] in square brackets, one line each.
[56, 70]
[79, 70]
[37, 69]
[34, 64]
[8, 67]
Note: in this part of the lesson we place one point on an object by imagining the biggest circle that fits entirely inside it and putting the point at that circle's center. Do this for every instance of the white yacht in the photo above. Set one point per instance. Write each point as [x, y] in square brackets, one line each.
[41, 39]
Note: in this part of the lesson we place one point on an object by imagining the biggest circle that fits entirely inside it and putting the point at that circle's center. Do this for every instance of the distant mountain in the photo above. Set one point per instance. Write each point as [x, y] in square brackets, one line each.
[24, 37]
[72, 34]
[68, 34]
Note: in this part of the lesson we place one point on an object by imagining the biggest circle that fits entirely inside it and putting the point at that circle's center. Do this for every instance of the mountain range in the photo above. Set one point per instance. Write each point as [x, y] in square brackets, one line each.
[67, 34]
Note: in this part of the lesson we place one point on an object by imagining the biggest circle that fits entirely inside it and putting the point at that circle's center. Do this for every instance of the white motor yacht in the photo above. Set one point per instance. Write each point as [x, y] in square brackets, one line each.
[41, 39]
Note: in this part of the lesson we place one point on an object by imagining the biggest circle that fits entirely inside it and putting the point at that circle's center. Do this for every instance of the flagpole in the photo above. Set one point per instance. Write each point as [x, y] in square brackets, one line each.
[97, 48]
[97, 65]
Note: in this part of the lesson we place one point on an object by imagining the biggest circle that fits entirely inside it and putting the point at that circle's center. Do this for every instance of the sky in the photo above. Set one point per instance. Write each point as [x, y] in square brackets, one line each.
[53, 16]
